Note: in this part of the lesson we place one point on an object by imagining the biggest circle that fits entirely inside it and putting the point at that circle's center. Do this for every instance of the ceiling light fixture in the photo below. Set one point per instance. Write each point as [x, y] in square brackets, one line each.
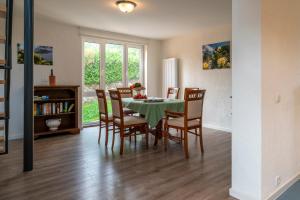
[126, 6]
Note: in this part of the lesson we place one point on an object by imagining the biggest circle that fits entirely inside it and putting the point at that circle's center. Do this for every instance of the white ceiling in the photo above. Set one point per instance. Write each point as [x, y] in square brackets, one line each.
[157, 19]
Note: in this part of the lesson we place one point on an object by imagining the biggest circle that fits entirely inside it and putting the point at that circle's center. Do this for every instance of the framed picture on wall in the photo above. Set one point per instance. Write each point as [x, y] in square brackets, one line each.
[43, 55]
[216, 56]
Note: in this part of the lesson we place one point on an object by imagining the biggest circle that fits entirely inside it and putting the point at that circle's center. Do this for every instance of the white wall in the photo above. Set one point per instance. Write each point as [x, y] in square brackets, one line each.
[280, 79]
[266, 103]
[246, 105]
[188, 49]
[66, 41]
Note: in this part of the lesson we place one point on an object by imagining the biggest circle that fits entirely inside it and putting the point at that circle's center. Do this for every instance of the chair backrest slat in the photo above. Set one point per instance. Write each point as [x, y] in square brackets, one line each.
[173, 93]
[116, 103]
[125, 92]
[102, 104]
[194, 99]
[192, 88]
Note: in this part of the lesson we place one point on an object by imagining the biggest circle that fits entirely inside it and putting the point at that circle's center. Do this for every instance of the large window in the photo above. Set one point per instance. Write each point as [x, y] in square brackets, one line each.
[135, 70]
[91, 81]
[114, 66]
[108, 65]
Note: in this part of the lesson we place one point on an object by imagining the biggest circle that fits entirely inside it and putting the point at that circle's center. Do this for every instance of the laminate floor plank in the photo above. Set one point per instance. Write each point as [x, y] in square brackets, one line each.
[76, 167]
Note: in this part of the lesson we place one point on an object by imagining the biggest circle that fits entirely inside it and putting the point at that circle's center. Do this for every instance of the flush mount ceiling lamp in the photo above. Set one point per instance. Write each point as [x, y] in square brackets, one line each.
[126, 6]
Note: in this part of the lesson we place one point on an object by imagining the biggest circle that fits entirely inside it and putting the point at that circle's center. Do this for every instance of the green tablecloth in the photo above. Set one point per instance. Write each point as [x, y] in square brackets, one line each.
[154, 112]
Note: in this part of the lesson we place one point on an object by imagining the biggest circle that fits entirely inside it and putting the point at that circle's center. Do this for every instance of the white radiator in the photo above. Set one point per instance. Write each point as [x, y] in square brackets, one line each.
[170, 74]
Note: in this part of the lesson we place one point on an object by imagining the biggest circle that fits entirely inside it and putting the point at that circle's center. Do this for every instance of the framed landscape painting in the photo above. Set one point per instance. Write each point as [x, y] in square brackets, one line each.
[216, 56]
[43, 55]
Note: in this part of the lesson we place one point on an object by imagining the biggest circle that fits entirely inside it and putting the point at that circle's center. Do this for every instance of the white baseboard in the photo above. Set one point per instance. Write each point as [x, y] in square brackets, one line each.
[239, 195]
[277, 193]
[216, 127]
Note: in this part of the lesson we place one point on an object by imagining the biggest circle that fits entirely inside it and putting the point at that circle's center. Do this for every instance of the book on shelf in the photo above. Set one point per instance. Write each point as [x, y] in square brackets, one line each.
[71, 107]
[41, 109]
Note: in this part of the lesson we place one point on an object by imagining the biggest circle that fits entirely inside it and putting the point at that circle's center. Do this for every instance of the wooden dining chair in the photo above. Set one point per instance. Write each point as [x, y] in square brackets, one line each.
[192, 88]
[105, 118]
[173, 93]
[187, 121]
[126, 93]
[127, 125]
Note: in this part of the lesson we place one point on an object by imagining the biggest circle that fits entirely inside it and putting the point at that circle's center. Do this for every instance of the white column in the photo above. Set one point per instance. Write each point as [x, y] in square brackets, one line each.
[246, 105]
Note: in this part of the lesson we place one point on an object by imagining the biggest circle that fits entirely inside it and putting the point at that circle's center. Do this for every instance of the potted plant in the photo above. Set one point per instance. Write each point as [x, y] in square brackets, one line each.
[138, 88]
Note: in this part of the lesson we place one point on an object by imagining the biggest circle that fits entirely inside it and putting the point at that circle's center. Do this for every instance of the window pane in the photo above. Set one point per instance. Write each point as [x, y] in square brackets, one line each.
[113, 66]
[134, 65]
[91, 82]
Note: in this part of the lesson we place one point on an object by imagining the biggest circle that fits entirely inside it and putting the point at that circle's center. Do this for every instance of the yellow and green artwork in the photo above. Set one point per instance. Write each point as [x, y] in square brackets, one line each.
[43, 55]
[216, 56]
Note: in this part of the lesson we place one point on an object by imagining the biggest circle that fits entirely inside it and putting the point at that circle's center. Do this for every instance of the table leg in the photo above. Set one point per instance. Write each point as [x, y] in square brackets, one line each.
[158, 132]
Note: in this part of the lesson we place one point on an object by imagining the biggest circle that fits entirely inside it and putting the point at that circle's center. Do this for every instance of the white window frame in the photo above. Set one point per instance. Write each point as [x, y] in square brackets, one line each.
[126, 45]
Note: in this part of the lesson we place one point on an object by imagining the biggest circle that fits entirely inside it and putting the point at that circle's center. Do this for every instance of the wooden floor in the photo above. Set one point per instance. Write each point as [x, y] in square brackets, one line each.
[76, 167]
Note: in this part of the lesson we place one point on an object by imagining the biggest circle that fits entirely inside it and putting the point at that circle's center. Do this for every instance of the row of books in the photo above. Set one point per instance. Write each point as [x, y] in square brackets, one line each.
[52, 108]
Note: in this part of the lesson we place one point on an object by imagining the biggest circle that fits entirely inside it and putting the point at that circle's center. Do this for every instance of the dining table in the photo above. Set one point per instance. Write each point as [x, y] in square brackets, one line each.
[153, 110]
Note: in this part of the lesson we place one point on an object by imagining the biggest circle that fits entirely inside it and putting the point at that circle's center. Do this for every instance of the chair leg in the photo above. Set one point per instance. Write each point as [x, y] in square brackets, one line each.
[122, 141]
[147, 136]
[113, 139]
[201, 140]
[134, 138]
[156, 138]
[181, 136]
[106, 133]
[186, 147]
[99, 136]
[165, 135]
